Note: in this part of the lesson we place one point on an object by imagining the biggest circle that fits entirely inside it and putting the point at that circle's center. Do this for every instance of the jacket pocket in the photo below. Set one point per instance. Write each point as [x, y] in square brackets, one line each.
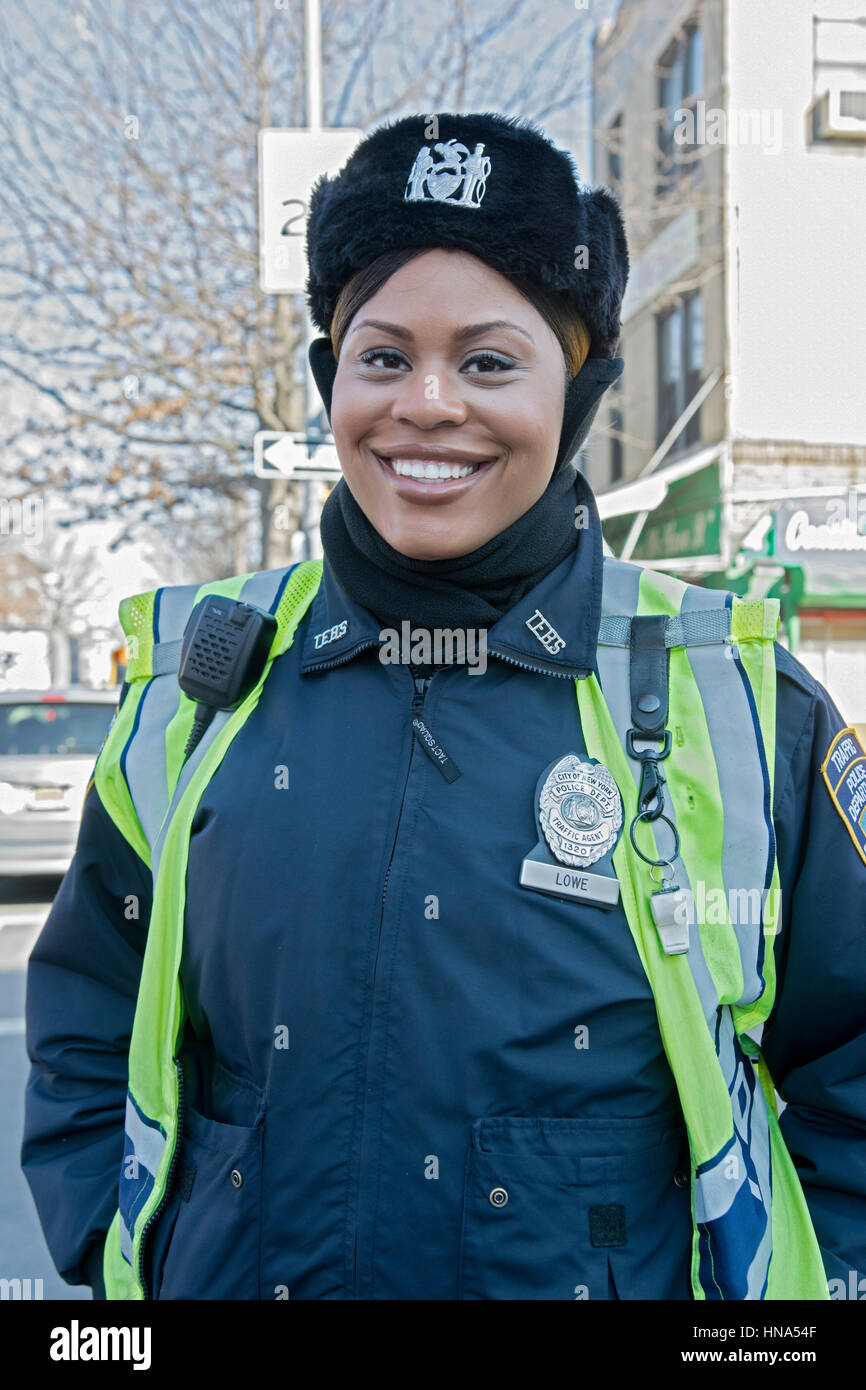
[550, 1203]
[207, 1242]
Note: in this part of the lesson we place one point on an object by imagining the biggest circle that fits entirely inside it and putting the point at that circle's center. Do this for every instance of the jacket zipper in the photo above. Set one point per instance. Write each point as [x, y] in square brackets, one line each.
[168, 1181]
[500, 656]
[347, 656]
[541, 670]
[421, 684]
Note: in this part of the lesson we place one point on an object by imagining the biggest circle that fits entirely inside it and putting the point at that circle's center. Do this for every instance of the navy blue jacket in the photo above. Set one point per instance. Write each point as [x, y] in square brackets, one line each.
[384, 1027]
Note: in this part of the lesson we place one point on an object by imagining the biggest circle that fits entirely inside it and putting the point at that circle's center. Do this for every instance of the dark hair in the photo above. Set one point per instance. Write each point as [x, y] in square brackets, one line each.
[557, 311]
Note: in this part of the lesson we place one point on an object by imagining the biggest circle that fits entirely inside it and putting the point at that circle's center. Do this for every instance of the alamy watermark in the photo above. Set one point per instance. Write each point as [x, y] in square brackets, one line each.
[716, 907]
[23, 516]
[22, 1289]
[422, 646]
[77, 1343]
[717, 125]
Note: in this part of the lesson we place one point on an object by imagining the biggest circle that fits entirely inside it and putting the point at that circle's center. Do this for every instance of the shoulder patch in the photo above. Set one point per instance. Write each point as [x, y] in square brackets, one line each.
[844, 771]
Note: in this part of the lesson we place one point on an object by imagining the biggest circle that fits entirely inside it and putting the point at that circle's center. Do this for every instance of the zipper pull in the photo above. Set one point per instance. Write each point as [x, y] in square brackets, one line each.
[421, 684]
[434, 750]
[425, 735]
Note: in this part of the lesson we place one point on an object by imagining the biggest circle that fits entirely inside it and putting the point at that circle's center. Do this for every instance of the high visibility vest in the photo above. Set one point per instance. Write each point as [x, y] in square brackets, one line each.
[753, 1237]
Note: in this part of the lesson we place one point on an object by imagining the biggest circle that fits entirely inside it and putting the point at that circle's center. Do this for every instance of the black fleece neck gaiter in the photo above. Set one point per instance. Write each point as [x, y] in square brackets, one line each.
[472, 590]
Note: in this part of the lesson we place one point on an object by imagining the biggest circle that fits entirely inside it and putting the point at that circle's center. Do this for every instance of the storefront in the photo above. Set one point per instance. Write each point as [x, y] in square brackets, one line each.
[820, 543]
[808, 550]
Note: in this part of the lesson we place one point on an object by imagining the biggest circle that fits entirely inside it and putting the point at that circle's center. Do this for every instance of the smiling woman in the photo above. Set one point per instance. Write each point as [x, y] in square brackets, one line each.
[415, 1020]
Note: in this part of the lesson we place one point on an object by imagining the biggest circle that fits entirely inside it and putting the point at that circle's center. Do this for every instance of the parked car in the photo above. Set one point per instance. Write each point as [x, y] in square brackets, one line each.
[48, 745]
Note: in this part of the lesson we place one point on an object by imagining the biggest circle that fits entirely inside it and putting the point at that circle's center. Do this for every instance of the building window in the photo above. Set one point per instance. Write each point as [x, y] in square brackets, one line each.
[680, 330]
[614, 155]
[681, 80]
[616, 428]
[838, 109]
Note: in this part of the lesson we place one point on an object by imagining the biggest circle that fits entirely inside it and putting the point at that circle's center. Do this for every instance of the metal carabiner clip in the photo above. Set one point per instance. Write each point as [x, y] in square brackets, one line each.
[652, 782]
[652, 777]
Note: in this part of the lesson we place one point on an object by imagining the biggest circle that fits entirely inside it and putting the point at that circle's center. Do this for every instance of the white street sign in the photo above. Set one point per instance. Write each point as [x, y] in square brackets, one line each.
[287, 455]
[290, 162]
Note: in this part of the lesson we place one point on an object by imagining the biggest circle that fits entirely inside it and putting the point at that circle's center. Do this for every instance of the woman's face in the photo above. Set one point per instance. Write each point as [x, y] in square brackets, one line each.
[447, 370]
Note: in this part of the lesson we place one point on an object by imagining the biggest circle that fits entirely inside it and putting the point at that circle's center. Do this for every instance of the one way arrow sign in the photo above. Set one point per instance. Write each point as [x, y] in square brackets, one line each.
[283, 454]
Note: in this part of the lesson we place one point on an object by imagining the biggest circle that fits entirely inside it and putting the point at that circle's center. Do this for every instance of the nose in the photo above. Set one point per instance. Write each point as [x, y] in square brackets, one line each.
[427, 399]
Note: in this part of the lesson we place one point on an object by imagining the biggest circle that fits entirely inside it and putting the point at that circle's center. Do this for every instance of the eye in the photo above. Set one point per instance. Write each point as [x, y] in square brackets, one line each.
[499, 363]
[373, 353]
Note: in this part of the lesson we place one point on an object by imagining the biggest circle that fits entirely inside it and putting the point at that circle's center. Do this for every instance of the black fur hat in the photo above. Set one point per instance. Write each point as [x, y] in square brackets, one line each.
[492, 185]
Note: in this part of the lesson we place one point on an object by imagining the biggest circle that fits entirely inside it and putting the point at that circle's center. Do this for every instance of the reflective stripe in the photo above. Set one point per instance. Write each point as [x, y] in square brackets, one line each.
[147, 1141]
[145, 762]
[125, 1241]
[144, 1144]
[620, 589]
[746, 847]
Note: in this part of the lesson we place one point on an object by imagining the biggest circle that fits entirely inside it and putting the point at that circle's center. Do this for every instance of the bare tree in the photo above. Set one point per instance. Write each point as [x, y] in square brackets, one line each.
[129, 255]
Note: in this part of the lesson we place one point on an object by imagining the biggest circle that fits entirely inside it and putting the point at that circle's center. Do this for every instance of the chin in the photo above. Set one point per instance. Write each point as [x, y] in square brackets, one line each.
[415, 546]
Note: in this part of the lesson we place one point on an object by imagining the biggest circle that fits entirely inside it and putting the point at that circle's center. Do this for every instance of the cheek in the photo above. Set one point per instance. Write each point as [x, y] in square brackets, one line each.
[536, 430]
[355, 405]
[345, 409]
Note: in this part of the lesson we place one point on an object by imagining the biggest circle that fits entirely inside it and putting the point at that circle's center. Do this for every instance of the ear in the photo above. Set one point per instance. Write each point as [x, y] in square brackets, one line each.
[323, 365]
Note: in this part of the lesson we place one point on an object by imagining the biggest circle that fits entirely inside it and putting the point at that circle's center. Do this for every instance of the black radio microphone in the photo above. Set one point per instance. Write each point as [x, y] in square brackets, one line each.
[225, 646]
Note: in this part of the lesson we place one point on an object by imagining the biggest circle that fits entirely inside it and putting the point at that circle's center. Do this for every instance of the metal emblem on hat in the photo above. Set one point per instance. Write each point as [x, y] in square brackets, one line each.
[579, 811]
[457, 170]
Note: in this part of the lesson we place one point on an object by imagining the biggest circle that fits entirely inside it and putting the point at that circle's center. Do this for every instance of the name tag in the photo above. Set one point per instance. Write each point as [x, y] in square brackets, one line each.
[569, 883]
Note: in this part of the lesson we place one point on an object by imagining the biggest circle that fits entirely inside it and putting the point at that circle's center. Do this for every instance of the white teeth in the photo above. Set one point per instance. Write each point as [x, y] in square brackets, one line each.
[421, 468]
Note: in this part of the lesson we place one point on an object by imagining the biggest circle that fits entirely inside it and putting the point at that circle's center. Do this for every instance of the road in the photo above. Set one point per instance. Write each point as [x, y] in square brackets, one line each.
[24, 905]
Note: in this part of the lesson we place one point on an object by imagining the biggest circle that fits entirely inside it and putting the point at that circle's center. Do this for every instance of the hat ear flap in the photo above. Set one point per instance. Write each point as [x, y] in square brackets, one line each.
[323, 365]
[582, 399]
[607, 269]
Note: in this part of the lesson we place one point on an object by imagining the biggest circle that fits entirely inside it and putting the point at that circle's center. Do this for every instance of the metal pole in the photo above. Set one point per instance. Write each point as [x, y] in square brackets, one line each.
[694, 404]
[311, 496]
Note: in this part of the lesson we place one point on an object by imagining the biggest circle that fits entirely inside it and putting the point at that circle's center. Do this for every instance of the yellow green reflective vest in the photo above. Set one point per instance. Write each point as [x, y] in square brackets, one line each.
[753, 1237]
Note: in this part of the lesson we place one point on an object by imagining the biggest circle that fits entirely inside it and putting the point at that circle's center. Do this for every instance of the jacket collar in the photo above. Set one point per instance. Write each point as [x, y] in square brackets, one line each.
[553, 629]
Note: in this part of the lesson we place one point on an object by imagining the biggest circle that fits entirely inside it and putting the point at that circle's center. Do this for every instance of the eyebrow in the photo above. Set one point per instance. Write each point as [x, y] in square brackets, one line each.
[474, 330]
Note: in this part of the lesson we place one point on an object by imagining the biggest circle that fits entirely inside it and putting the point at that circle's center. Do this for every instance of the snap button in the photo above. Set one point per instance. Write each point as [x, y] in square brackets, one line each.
[648, 704]
[237, 1178]
[682, 1179]
[498, 1197]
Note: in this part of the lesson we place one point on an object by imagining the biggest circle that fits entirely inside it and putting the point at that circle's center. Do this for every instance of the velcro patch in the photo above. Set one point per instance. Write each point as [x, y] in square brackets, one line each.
[607, 1225]
[844, 771]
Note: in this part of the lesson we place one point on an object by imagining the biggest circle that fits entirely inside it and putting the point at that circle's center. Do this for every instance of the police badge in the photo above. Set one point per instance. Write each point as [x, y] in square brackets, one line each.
[458, 171]
[580, 816]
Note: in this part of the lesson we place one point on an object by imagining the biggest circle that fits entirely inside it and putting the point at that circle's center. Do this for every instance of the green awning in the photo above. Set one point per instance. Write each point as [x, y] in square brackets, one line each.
[687, 524]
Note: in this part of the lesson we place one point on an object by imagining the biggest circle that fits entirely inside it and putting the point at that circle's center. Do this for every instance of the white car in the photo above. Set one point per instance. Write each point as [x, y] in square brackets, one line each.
[49, 740]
